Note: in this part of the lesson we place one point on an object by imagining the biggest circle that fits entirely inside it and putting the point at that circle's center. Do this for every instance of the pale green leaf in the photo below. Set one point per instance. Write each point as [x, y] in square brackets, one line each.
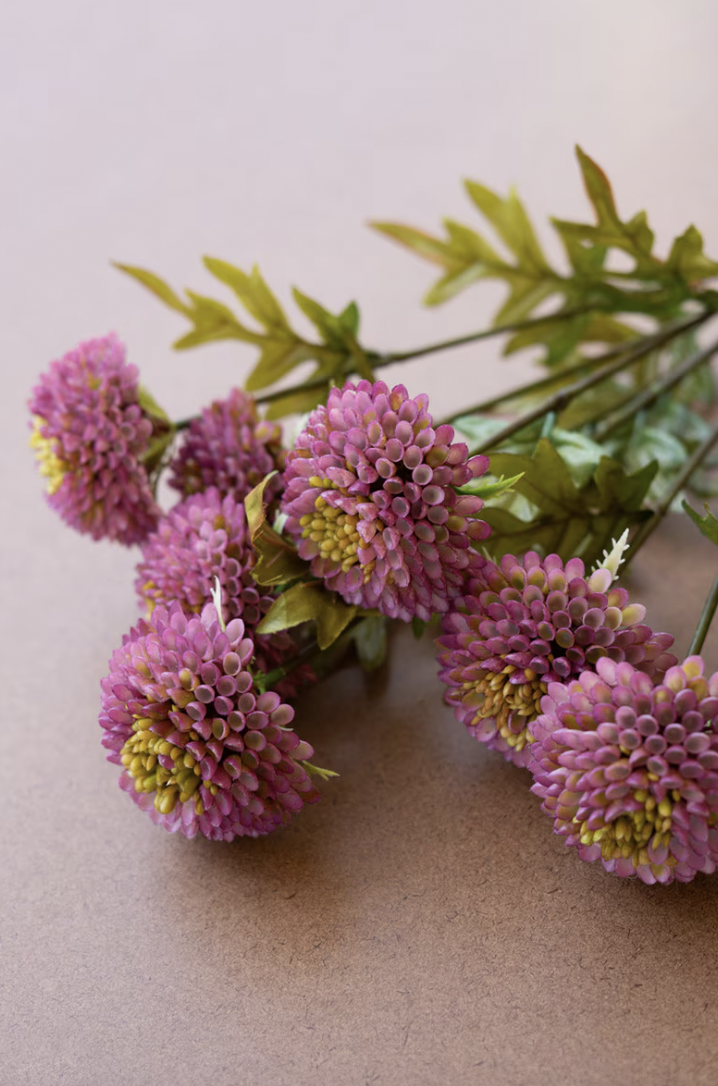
[156, 285]
[707, 525]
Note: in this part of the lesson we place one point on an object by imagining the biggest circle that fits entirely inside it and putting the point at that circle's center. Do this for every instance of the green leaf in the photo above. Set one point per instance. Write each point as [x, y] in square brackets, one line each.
[338, 332]
[253, 293]
[688, 260]
[418, 626]
[545, 478]
[488, 488]
[511, 223]
[635, 236]
[561, 336]
[349, 319]
[618, 490]
[309, 602]
[707, 525]
[157, 286]
[277, 359]
[318, 771]
[277, 560]
[567, 521]
[419, 242]
[371, 642]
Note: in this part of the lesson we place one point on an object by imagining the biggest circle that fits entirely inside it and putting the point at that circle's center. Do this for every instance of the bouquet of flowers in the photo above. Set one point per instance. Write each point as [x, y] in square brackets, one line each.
[500, 532]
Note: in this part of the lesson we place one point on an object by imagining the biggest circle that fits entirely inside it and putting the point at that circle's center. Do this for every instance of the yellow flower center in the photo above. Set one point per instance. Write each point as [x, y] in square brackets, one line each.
[333, 530]
[512, 704]
[49, 463]
[630, 835]
[140, 757]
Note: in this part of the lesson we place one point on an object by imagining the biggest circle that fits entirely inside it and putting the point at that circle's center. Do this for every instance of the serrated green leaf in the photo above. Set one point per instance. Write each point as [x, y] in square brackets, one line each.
[545, 479]
[707, 525]
[472, 247]
[319, 771]
[510, 221]
[349, 319]
[371, 642]
[596, 403]
[634, 236]
[309, 602]
[277, 359]
[619, 490]
[277, 560]
[524, 297]
[155, 285]
[253, 293]
[211, 315]
[488, 488]
[567, 521]
[418, 241]
[687, 258]
[329, 327]
[453, 283]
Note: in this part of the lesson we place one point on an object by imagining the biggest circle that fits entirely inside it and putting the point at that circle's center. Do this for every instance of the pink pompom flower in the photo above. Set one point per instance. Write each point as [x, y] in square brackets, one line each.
[91, 435]
[201, 749]
[227, 447]
[526, 623]
[202, 540]
[371, 498]
[626, 765]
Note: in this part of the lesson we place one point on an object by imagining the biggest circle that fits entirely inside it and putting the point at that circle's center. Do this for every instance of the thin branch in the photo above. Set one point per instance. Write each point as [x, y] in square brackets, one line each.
[705, 620]
[561, 398]
[649, 526]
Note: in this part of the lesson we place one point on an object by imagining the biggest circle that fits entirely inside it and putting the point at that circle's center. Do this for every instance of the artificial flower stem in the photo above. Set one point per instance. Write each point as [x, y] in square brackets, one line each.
[561, 398]
[520, 391]
[378, 359]
[709, 609]
[649, 526]
[475, 337]
[649, 395]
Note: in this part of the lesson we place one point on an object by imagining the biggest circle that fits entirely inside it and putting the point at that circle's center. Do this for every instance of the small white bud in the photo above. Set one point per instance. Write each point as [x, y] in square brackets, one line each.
[216, 594]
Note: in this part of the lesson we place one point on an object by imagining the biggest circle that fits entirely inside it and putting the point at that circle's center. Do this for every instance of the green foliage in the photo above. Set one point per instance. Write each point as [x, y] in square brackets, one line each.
[369, 636]
[488, 488]
[309, 602]
[277, 560]
[707, 525]
[658, 288]
[336, 355]
[564, 518]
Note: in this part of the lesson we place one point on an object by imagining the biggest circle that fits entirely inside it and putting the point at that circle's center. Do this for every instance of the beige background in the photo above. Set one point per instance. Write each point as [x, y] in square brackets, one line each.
[421, 925]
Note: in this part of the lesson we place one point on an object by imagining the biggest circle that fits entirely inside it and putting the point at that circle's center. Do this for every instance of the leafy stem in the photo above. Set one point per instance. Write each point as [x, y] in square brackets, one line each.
[681, 480]
[709, 609]
[561, 398]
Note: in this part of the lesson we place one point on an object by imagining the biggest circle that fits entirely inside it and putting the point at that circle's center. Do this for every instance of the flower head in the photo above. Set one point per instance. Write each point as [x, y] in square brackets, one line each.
[91, 435]
[627, 766]
[529, 622]
[370, 495]
[204, 538]
[201, 748]
[227, 447]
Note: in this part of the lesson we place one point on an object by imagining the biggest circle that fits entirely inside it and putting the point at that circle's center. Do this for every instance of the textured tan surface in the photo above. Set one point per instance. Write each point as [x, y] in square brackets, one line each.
[420, 925]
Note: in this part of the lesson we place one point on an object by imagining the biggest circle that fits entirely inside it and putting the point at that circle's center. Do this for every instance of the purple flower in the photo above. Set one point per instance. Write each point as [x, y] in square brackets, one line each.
[203, 538]
[627, 767]
[201, 748]
[370, 496]
[227, 447]
[527, 623]
[91, 435]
